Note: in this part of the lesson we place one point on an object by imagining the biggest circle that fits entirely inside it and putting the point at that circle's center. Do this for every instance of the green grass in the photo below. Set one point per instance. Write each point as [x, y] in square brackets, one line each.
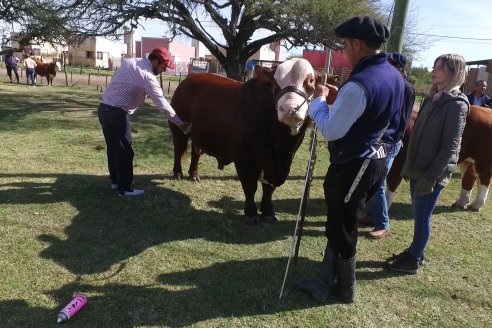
[181, 255]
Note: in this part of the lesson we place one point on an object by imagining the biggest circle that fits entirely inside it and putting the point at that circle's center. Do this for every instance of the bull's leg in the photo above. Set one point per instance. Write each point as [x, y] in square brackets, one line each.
[468, 177]
[248, 175]
[195, 158]
[484, 177]
[180, 142]
[267, 213]
[390, 197]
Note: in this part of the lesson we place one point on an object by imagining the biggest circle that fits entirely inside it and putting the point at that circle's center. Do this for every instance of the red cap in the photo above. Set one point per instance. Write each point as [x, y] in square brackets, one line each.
[165, 56]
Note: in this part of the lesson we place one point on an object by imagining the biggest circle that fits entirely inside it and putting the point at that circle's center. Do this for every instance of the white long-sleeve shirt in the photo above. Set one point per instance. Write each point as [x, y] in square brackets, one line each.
[131, 83]
[335, 122]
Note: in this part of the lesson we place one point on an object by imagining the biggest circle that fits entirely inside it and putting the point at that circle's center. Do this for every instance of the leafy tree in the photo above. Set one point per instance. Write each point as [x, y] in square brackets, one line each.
[300, 23]
[421, 79]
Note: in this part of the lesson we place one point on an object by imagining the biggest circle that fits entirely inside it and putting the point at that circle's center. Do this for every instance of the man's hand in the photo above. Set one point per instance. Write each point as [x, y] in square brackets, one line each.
[185, 127]
[328, 91]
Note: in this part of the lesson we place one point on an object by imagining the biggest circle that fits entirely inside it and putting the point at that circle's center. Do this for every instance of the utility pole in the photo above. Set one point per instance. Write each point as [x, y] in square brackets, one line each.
[398, 25]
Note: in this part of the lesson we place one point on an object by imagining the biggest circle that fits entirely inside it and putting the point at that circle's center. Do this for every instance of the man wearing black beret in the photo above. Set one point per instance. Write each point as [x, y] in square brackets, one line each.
[360, 127]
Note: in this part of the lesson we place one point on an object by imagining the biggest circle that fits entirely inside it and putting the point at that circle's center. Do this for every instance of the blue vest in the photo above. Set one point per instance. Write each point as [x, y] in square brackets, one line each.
[384, 87]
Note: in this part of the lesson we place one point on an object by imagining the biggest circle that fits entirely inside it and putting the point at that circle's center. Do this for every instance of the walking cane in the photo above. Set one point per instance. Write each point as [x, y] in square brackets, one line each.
[296, 239]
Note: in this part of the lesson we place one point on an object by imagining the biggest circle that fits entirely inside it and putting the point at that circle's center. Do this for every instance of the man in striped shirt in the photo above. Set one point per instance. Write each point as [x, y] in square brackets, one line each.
[132, 82]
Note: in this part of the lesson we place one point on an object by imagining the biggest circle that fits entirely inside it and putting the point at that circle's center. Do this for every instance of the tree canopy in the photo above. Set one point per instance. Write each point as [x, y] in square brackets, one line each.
[301, 23]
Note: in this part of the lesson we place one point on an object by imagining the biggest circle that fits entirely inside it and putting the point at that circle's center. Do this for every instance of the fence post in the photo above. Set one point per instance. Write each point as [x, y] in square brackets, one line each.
[160, 78]
[169, 87]
[89, 81]
[71, 77]
[80, 69]
[106, 81]
[66, 77]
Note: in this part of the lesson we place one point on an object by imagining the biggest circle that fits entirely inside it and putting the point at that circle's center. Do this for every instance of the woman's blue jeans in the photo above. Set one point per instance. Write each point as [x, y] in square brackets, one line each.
[422, 208]
[377, 206]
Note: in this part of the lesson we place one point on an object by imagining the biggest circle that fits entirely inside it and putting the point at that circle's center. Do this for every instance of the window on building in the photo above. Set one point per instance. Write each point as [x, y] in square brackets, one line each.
[99, 55]
[89, 54]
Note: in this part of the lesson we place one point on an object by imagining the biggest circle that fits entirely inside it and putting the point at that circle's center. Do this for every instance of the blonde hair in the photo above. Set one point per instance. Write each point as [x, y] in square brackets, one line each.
[455, 66]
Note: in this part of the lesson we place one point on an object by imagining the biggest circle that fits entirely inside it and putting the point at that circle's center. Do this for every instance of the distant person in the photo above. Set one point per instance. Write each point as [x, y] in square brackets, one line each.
[127, 90]
[377, 207]
[11, 64]
[30, 66]
[478, 96]
[433, 152]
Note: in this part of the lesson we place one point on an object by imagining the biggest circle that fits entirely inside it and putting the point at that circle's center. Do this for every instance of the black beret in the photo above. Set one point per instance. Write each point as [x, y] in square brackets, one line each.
[363, 28]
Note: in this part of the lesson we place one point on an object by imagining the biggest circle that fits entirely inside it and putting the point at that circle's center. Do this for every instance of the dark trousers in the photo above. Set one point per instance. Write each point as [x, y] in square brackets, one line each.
[116, 129]
[341, 218]
[13, 69]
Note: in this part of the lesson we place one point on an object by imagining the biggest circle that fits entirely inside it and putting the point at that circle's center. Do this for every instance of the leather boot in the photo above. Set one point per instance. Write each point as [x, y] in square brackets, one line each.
[345, 287]
[320, 285]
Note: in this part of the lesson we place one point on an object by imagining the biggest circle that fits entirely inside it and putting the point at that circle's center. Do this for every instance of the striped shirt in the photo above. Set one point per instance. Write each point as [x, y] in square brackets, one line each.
[131, 83]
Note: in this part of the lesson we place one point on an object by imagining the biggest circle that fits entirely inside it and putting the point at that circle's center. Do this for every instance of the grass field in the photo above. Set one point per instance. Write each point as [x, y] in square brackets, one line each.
[181, 255]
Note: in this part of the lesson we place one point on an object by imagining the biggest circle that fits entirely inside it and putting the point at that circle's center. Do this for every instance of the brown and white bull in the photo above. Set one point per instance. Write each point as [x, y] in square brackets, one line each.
[258, 125]
[475, 160]
[47, 70]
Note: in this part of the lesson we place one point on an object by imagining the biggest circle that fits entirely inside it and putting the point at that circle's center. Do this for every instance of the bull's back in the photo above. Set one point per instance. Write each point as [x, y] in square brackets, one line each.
[209, 102]
[477, 135]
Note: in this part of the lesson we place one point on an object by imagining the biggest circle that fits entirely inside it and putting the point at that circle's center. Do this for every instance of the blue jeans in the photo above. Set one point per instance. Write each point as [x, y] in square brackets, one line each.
[31, 75]
[377, 207]
[422, 208]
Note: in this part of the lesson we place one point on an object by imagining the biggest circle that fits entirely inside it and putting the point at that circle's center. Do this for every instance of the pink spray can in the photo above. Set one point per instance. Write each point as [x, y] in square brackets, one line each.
[73, 307]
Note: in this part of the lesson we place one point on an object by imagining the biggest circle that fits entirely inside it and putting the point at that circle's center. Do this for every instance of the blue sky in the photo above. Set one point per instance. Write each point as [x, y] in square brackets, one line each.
[454, 26]
[462, 23]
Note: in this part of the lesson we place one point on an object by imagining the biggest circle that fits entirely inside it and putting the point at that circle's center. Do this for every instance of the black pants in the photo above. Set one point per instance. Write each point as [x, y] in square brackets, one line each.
[116, 129]
[341, 218]
[13, 69]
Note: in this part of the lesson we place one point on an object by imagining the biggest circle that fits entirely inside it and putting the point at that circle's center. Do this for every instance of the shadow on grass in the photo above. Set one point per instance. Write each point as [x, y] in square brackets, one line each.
[108, 229]
[231, 289]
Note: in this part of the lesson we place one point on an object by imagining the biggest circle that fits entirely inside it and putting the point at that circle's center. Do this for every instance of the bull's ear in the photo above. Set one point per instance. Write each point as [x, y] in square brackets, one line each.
[264, 74]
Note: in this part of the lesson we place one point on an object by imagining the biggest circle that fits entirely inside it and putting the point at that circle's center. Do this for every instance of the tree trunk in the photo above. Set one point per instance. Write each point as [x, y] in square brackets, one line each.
[235, 66]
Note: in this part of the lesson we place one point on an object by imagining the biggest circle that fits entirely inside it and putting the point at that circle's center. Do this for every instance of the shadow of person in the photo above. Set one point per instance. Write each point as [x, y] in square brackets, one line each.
[106, 230]
[176, 299]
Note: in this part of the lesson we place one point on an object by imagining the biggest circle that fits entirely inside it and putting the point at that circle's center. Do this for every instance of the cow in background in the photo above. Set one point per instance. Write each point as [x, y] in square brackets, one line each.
[258, 125]
[475, 160]
[47, 70]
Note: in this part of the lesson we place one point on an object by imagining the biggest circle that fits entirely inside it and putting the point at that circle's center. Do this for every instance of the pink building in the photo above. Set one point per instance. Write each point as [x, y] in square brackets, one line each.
[182, 53]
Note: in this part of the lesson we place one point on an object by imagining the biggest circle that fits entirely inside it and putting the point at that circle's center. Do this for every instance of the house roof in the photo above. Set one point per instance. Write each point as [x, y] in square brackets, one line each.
[478, 62]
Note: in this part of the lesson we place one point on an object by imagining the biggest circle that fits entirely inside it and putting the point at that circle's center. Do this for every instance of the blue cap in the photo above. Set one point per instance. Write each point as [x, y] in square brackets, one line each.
[397, 59]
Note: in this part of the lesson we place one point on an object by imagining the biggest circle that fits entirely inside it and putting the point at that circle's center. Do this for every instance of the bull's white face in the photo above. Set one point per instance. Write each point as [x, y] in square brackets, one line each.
[291, 106]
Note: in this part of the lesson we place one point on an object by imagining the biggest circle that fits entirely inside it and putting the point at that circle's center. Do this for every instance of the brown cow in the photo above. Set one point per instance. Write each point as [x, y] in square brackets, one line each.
[475, 160]
[257, 125]
[48, 70]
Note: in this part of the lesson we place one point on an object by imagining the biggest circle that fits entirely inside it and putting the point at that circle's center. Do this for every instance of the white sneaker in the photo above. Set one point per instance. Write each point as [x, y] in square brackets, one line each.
[133, 193]
[114, 186]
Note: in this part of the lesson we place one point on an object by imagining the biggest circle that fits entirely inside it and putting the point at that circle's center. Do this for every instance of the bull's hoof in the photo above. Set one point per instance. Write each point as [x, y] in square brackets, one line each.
[195, 178]
[456, 205]
[473, 208]
[269, 218]
[251, 220]
[178, 176]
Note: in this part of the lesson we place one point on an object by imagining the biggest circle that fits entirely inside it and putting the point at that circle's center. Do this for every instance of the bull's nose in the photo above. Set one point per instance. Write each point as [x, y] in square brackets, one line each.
[288, 110]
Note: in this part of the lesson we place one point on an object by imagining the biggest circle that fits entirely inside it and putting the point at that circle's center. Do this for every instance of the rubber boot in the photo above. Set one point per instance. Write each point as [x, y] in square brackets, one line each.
[345, 287]
[320, 285]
